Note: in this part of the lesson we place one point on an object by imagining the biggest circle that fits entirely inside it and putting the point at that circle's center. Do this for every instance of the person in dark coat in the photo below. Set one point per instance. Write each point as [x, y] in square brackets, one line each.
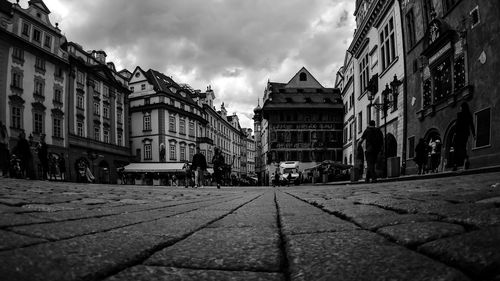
[218, 162]
[421, 156]
[23, 151]
[62, 167]
[463, 128]
[43, 152]
[374, 141]
[4, 150]
[199, 166]
[276, 178]
[360, 162]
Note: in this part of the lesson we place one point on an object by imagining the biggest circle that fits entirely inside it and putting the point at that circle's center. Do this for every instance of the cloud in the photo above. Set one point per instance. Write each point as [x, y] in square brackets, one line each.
[235, 46]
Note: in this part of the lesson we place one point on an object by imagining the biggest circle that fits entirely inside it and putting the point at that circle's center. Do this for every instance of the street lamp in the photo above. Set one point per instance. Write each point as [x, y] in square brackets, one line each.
[384, 107]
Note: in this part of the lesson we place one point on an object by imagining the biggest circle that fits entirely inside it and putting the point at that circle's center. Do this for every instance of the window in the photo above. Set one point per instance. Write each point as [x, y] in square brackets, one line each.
[57, 95]
[119, 116]
[105, 111]
[191, 128]
[132, 89]
[38, 123]
[410, 28]
[59, 72]
[37, 35]
[147, 122]
[106, 136]
[80, 101]
[79, 128]
[143, 87]
[182, 126]
[360, 122]
[173, 152]
[105, 92]
[483, 130]
[191, 152]
[80, 78]
[40, 63]
[148, 155]
[387, 44]
[18, 53]
[97, 108]
[147, 101]
[303, 76]
[119, 140]
[183, 153]
[17, 80]
[364, 73]
[474, 17]
[26, 29]
[97, 133]
[48, 41]
[16, 117]
[441, 75]
[39, 87]
[171, 123]
[57, 127]
[411, 147]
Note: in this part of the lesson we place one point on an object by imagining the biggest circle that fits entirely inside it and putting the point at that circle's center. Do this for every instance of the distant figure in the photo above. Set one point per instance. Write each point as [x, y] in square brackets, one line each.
[463, 128]
[199, 166]
[187, 175]
[289, 178]
[421, 156]
[23, 151]
[43, 151]
[218, 162]
[435, 153]
[276, 181]
[62, 166]
[174, 180]
[53, 167]
[4, 150]
[360, 162]
[374, 141]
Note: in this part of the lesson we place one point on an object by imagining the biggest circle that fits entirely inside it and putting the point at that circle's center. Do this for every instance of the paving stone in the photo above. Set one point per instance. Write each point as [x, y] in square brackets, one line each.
[308, 223]
[247, 219]
[148, 273]
[494, 200]
[252, 249]
[373, 222]
[477, 217]
[19, 219]
[360, 255]
[83, 258]
[477, 252]
[410, 234]
[12, 209]
[11, 240]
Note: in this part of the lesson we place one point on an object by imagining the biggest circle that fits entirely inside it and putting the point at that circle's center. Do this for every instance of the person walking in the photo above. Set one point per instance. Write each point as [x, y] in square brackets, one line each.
[289, 178]
[218, 162]
[62, 167]
[374, 141]
[4, 150]
[463, 128]
[360, 162]
[187, 175]
[43, 152]
[199, 166]
[420, 156]
[23, 151]
[276, 178]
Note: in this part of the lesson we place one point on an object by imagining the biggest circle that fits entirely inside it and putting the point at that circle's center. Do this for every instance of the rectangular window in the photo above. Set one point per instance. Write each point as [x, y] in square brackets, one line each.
[119, 117]
[80, 77]
[410, 28]
[39, 88]
[40, 63]
[16, 117]
[387, 44]
[57, 95]
[182, 126]
[191, 128]
[105, 91]
[148, 155]
[364, 73]
[37, 35]
[183, 153]
[360, 122]
[147, 122]
[79, 129]
[48, 41]
[17, 80]
[119, 140]
[18, 53]
[173, 152]
[143, 87]
[59, 72]
[171, 123]
[97, 108]
[38, 123]
[97, 133]
[80, 101]
[106, 136]
[57, 127]
[105, 111]
[191, 152]
[26, 29]
[442, 80]
[483, 130]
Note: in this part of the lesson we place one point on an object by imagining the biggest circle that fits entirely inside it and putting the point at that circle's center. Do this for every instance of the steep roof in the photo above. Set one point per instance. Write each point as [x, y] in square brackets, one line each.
[308, 82]
[163, 83]
[40, 5]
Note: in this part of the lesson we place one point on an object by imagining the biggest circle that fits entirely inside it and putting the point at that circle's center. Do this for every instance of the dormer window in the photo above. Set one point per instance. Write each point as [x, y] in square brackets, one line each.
[303, 77]
[48, 41]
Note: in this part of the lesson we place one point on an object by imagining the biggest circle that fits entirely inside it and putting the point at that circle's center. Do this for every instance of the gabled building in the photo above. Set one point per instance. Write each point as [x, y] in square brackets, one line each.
[98, 116]
[300, 121]
[34, 66]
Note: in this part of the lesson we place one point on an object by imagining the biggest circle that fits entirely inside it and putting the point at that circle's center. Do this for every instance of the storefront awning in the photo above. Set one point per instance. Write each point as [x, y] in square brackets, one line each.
[154, 167]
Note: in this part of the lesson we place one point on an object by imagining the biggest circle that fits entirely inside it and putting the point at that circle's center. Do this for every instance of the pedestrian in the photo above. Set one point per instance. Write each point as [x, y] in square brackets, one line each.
[53, 167]
[374, 141]
[4, 150]
[420, 156]
[43, 150]
[289, 178]
[276, 178]
[360, 162]
[435, 154]
[23, 152]
[187, 175]
[62, 166]
[218, 162]
[463, 128]
[199, 165]
[174, 180]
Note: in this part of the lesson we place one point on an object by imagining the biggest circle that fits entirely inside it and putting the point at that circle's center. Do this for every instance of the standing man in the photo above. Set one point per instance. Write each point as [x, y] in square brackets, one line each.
[463, 129]
[23, 151]
[199, 166]
[218, 161]
[4, 150]
[374, 141]
[43, 152]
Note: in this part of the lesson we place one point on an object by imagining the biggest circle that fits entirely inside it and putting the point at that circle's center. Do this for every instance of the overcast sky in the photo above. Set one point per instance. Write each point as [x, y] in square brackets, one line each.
[233, 45]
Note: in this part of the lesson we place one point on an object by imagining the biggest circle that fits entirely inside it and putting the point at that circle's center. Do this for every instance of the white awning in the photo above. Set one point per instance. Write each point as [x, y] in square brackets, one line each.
[154, 167]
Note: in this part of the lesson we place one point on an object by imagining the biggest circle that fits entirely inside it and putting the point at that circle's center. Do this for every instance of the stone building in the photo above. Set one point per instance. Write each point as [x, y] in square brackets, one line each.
[98, 116]
[451, 59]
[301, 121]
[34, 74]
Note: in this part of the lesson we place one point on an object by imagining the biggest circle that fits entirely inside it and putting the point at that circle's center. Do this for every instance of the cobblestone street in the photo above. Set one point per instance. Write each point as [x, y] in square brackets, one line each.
[433, 229]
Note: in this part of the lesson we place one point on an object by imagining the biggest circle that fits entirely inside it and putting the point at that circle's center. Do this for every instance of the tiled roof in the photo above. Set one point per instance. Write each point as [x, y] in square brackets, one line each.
[163, 83]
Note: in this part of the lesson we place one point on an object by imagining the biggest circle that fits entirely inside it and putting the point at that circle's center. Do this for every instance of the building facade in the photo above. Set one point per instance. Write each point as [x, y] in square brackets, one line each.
[98, 116]
[451, 59]
[300, 121]
[34, 74]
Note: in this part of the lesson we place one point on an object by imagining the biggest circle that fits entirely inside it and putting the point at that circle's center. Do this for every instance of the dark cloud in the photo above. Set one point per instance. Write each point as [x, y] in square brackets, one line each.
[233, 45]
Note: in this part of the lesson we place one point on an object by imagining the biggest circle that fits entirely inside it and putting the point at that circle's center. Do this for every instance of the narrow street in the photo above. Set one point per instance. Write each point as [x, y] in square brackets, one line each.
[434, 229]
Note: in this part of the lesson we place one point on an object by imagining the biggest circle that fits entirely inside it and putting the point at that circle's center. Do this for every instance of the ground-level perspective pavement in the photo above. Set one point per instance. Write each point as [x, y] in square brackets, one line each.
[429, 229]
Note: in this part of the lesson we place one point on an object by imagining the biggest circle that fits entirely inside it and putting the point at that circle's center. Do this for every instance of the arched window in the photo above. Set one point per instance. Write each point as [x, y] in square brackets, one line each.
[303, 77]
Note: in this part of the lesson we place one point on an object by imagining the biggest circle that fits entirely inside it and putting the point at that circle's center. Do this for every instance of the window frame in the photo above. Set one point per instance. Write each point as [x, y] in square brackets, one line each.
[148, 151]
[57, 126]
